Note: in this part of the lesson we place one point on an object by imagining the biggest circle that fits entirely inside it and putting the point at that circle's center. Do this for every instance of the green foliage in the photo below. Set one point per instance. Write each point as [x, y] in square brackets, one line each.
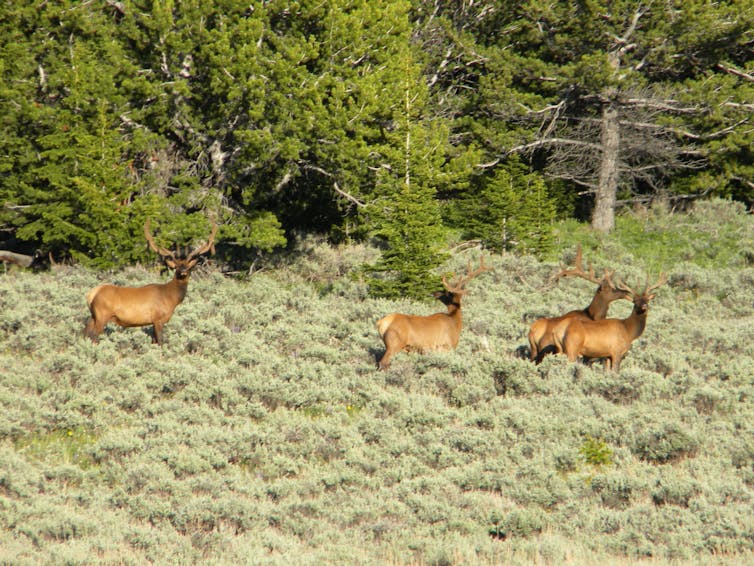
[615, 490]
[596, 452]
[406, 217]
[714, 233]
[410, 227]
[276, 121]
[665, 443]
[69, 446]
[674, 491]
[520, 523]
[510, 211]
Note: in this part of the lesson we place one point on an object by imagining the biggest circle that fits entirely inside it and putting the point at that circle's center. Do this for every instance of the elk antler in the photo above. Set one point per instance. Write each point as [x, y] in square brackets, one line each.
[205, 247]
[578, 270]
[458, 284]
[661, 280]
[157, 249]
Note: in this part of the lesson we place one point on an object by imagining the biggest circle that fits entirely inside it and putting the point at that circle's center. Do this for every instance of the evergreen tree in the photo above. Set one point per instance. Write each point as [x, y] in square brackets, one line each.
[511, 210]
[70, 189]
[410, 226]
[407, 216]
[612, 99]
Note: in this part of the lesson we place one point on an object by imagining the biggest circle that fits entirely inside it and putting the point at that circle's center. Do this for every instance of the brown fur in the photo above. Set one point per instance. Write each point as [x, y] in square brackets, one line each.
[439, 331]
[609, 339]
[436, 332]
[541, 340]
[141, 306]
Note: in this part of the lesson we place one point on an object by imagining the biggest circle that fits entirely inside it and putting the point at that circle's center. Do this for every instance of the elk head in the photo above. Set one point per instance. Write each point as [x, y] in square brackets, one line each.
[641, 300]
[607, 290]
[184, 264]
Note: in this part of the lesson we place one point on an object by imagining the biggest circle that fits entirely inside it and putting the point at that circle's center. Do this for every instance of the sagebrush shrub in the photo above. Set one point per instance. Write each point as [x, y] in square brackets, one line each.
[665, 443]
[261, 427]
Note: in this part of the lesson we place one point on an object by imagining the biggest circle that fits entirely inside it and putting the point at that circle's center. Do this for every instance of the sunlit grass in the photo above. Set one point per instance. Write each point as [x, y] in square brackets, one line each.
[65, 446]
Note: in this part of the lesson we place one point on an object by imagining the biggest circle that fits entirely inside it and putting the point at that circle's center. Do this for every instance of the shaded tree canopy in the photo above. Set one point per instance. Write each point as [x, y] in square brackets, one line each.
[276, 118]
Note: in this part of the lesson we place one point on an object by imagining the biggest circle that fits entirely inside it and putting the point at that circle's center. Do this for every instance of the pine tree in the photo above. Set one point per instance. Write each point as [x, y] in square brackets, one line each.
[407, 218]
[511, 210]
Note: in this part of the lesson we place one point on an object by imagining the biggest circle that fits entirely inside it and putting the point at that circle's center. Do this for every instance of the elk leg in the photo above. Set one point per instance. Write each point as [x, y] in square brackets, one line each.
[572, 355]
[392, 347]
[385, 360]
[533, 351]
[157, 338]
[92, 330]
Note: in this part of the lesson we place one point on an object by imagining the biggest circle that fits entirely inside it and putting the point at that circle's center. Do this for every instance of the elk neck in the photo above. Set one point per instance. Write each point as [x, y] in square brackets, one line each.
[178, 286]
[597, 309]
[636, 322]
[454, 313]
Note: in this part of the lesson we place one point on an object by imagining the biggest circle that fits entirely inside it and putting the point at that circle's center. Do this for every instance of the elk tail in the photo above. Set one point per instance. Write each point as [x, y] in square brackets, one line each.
[384, 323]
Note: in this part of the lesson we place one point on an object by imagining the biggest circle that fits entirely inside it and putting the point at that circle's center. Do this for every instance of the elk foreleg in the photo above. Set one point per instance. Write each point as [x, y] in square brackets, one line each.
[533, 350]
[157, 337]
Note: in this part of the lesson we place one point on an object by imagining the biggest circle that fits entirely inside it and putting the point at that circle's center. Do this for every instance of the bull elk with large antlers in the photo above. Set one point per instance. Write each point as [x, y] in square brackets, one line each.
[151, 304]
[541, 341]
[610, 338]
[436, 332]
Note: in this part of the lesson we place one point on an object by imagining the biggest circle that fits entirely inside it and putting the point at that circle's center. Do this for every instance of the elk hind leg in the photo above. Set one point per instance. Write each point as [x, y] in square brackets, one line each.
[393, 345]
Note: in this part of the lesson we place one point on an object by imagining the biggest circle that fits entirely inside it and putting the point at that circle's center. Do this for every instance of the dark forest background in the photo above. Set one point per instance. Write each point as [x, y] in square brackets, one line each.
[405, 122]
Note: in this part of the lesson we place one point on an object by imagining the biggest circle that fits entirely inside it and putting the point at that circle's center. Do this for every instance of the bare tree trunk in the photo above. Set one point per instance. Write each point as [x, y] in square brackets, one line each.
[603, 215]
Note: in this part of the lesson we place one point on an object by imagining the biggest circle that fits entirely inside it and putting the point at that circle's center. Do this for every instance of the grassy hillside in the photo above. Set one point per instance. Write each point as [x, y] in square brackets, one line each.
[262, 434]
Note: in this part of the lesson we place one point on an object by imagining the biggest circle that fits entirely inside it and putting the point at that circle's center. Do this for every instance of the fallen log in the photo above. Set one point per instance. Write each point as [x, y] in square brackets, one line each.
[18, 259]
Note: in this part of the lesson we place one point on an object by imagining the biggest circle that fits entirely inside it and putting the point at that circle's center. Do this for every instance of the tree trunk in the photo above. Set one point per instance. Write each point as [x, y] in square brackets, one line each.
[603, 215]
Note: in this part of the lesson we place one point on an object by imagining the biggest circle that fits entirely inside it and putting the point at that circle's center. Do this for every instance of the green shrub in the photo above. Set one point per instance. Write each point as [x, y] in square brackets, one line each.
[615, 490]
[519, 523]
[673, 491]
[596, 452]
[665, 443]
[261, 428]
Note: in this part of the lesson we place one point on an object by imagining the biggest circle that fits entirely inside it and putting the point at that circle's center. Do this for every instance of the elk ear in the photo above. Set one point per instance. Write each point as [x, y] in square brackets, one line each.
[438, 294]
[191, 263]
[170, 263]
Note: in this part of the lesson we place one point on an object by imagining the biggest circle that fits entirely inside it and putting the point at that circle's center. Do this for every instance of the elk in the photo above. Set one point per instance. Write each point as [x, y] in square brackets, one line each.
[610, 338]
[541, 340]
[151, 304]
[436, 332]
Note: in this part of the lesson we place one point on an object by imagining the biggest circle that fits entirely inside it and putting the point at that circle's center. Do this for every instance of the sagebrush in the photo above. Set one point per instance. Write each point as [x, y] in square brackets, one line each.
[262, 433]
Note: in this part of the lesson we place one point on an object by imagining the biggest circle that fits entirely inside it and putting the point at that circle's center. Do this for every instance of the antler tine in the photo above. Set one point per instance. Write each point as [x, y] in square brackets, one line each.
[471, 274]
[208, 246]
[447, 285]
[609, 278]
[578, 270]
[157, 249]
[619, 284]
[661, 280]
